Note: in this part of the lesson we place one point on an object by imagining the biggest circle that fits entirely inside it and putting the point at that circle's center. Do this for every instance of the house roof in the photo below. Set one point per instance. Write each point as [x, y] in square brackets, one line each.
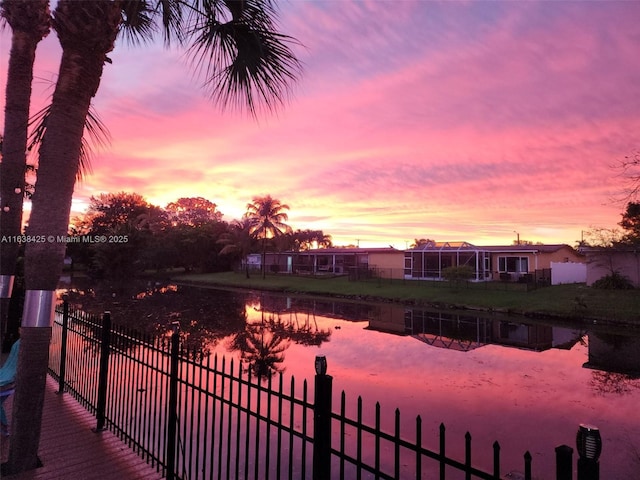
[437, 246]
[529, 248]
[343, 251]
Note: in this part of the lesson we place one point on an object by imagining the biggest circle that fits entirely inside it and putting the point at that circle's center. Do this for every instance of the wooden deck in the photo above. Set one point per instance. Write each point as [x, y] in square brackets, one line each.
[69, 449]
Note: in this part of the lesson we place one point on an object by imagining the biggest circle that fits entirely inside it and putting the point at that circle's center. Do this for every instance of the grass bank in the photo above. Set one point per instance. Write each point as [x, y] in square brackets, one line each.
[566, 301]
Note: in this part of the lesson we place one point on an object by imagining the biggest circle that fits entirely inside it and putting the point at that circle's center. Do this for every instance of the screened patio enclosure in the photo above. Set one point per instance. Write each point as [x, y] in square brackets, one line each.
[428, 260]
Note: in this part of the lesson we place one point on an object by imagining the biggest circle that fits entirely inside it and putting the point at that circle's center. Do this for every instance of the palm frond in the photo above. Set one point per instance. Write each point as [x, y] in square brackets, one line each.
[97, 133]
[137, 21]
[244, 59]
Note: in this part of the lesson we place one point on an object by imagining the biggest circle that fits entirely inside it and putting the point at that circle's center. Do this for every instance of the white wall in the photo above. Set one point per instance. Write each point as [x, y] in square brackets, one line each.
[568, 272]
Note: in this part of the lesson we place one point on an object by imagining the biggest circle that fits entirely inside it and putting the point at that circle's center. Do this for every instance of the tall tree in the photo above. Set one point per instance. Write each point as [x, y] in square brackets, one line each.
[193, 211]
[419, 242]
[267, 216]
[30, 23]
[109, 211]
[631, 223]
[629, 169]
[234, 43]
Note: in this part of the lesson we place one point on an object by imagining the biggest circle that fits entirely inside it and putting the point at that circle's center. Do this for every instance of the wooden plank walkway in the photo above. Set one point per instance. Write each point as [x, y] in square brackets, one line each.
[69, 449]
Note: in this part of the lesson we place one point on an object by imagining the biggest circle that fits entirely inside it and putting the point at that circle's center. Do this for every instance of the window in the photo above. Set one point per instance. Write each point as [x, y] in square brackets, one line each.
[513, 264]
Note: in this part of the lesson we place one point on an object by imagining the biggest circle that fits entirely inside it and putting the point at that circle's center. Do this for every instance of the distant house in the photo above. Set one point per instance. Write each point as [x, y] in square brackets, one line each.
[506, 263]
[603, 261]
[426, 262]
[339, 261]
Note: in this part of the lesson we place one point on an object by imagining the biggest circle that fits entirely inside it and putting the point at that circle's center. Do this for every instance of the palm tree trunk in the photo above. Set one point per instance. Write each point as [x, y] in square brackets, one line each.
[29, 21]
[87, 31]
[264, 256]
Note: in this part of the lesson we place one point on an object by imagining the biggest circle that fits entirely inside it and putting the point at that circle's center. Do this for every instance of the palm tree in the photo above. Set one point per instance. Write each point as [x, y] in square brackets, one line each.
[234, 43]
[267, 219]
[30, 23]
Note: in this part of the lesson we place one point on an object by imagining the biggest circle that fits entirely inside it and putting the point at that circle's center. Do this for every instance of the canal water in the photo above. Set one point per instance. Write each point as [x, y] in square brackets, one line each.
[523, 383]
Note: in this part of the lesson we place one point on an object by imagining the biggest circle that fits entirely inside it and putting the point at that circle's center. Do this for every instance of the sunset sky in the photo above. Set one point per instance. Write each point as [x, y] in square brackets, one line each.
[412, 119]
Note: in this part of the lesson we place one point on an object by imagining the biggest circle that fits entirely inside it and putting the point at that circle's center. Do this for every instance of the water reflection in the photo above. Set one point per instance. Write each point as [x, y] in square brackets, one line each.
[614, 352]
[501, 378]
[261, 326]
[151, 308]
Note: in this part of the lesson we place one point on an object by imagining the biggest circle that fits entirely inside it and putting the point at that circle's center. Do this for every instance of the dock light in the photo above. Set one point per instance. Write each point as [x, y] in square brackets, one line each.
[589, 442]
[321, 365]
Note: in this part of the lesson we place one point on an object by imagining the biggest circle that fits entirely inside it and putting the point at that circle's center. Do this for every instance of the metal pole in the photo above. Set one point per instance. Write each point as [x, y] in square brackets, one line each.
[322, 421]
[105, 347]
[172, 420]
[63, 347]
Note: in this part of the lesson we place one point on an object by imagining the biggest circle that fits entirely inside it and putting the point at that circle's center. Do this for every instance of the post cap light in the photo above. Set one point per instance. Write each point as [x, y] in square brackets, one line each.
[589, 442]
[321, 365]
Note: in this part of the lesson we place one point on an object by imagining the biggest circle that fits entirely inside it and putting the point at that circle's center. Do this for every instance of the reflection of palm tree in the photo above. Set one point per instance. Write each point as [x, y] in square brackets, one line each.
[267, 217]
[260, 348]
[305, 334]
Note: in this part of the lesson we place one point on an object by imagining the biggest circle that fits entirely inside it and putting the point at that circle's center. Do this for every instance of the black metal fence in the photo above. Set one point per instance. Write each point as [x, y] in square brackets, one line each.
[195, 417]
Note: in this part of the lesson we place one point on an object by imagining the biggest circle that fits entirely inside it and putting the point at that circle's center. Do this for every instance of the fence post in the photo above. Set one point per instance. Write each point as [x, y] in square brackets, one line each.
[322, 421]
[63, 346]
[564, 462]
[105, 347]
[172, 420]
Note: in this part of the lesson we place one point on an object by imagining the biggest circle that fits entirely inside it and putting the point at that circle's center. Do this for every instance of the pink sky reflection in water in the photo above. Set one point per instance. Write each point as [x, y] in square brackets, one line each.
[525, 400]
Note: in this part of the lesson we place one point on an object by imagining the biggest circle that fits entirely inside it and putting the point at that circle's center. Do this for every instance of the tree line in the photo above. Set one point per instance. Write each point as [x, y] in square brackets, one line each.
[122, 234]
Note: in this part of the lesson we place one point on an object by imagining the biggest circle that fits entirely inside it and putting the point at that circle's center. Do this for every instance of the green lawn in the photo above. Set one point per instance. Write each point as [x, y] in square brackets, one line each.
[570, 301]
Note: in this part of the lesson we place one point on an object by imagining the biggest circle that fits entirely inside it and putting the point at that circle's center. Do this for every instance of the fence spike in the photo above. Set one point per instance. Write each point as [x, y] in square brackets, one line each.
[527, 465]
[496, 460]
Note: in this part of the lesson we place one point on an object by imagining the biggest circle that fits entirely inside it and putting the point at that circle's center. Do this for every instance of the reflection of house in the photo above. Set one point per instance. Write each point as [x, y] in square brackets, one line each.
[511, 262]
[532, 337]
[602, 261]
[614, 353]
[450, 331]
[456, 331]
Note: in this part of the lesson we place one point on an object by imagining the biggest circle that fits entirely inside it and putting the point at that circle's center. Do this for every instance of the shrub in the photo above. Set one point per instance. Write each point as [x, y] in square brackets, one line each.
[458, 274]
[614, 281]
